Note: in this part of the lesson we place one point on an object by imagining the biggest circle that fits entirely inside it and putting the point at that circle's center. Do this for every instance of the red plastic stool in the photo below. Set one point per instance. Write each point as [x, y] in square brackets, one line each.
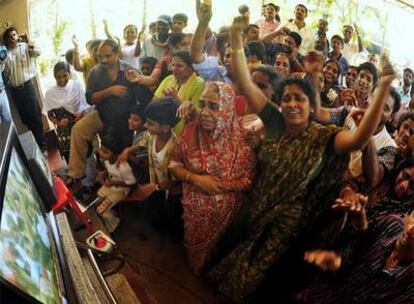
[64, 198]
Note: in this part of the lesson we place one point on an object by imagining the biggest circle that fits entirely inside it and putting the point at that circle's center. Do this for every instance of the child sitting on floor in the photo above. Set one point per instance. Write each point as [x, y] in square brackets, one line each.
[118, 181]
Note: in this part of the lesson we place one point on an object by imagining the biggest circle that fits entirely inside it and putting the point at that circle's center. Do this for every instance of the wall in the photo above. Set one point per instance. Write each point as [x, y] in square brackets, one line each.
[14, 11]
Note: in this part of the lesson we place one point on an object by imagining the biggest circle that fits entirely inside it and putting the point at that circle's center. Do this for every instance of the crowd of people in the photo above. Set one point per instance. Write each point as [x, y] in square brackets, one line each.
[286, 171]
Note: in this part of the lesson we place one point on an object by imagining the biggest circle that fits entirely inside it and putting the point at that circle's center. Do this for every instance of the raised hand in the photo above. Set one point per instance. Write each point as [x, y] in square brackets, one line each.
[105, 23]
[324, 259]
[357, 115]
[387, 73]
[240, 23]
[204, 11]
[75, 42]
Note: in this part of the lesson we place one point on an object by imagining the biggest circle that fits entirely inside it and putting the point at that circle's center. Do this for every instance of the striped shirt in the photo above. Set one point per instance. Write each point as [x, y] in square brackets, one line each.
[20, 66]
[364, 278]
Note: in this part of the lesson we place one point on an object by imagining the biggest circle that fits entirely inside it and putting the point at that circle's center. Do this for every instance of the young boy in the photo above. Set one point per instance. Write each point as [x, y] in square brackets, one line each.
[118, 181]
[159, 141]
[179, 22]
[337, 46]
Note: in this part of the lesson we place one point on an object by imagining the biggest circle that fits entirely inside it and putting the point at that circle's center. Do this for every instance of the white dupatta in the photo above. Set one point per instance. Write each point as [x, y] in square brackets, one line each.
[71, 98]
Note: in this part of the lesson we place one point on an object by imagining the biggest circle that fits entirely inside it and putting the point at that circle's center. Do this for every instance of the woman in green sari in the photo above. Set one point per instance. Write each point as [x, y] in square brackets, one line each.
[183, 84]
[301, 166]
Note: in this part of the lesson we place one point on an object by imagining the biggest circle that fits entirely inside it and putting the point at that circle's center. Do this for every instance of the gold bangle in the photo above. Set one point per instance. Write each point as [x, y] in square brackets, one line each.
[237, 51]
[345, 189]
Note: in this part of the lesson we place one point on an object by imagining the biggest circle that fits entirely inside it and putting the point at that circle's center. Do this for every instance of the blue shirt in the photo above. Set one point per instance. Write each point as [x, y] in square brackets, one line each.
[343, 64]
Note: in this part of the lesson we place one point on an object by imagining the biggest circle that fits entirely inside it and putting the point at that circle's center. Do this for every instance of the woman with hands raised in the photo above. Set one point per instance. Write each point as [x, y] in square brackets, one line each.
[301, 165]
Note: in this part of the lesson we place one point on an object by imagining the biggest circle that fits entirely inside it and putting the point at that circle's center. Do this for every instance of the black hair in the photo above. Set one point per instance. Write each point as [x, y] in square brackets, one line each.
[138, 110]
[250, 26]
[409, 71]
[337, 37]
[404, 117]
[258, 49]
[184, 56]
[128, 26]
[7, 33]
[69, 56]
[397, 100]
[111, 43]
[163, 111]
[176, 38]
[113, 143]
[332, 60]
[303, 84]
[274, 6]
[243, 8]
[302, 5]
[152, 24]
[181, 17]
[61, 65]
[222, 42]
[352, 67]
[152, 61]
[296, 37]
[270, 72]
[405, 163]
[371, 69]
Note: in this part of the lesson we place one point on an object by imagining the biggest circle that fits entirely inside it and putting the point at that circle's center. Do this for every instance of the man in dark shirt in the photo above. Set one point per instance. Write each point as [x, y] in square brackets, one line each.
[113, 96]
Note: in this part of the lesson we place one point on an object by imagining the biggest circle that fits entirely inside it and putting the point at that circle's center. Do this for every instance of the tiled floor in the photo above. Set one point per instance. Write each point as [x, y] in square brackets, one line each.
[156, 268]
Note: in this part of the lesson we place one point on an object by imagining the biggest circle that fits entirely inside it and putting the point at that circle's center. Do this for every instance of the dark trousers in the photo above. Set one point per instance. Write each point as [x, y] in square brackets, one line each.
[25, 100]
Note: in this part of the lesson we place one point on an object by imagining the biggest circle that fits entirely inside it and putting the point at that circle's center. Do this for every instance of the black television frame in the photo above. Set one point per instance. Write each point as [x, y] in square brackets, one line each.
[9, 141]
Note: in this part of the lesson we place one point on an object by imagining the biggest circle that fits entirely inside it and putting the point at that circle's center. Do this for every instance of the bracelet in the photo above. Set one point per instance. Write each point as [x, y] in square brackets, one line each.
[187, 178]
[345, 189]
[237, 51]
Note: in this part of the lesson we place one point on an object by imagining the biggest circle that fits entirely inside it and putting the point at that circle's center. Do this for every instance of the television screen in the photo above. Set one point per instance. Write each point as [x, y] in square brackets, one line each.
[39, 167]
[28, 260]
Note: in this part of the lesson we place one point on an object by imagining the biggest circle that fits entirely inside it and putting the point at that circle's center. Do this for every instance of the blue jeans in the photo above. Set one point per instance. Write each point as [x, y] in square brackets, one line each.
[4, 107]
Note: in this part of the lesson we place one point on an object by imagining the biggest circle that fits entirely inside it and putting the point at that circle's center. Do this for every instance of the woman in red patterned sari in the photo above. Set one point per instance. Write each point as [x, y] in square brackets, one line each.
[216, 166]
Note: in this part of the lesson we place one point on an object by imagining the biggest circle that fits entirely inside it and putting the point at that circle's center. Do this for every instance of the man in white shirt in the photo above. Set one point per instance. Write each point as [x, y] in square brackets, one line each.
[351, 48]
[19, 72]
[406, 91]
[298, 25]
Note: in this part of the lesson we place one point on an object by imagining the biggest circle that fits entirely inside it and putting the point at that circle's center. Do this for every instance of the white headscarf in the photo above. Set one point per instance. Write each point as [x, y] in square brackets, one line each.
[71, 98]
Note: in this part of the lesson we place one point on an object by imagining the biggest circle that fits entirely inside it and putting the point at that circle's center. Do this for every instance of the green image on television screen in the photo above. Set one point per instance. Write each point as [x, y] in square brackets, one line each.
[27, 259]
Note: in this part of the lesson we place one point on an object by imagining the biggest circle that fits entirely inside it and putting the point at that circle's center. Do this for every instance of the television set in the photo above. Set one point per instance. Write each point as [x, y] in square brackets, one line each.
[39, 168]
[32, 265]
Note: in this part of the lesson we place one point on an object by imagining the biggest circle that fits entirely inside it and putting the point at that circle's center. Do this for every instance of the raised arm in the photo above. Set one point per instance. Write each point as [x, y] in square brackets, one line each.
[280, 31]
[372, 168]
[77, 63]
[107, 31]
[204, 13]
[140, 38]
[255, 97]
[360, 45]
[345, 141]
